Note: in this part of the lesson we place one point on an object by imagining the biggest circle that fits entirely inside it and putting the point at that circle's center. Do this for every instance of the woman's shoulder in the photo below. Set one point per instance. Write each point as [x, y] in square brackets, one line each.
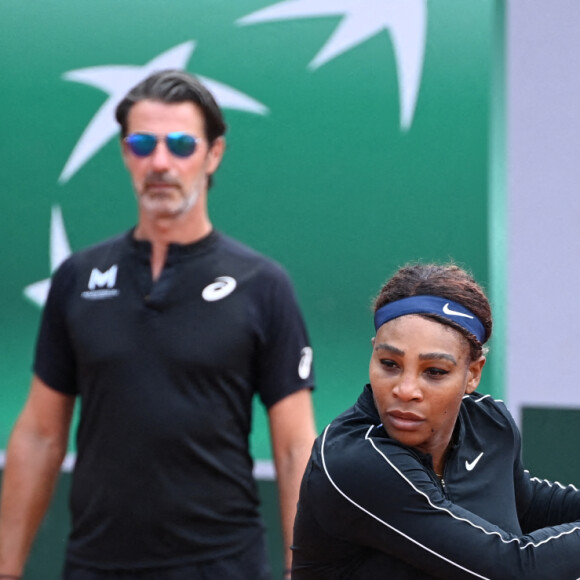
[355, 451]
[481, 409]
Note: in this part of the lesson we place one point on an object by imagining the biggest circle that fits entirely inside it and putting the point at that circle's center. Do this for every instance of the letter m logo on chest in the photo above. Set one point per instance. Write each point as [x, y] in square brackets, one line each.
[100, 279]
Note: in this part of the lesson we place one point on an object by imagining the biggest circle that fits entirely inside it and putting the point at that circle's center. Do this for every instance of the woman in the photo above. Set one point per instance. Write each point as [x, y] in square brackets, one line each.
[422, 477]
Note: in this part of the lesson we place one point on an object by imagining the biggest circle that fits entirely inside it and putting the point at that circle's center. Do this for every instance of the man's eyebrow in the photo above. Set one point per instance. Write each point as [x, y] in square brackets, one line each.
[390, 348]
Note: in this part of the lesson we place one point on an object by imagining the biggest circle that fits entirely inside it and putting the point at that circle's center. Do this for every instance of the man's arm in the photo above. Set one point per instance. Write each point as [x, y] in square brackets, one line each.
[293, 431]
[35, 453]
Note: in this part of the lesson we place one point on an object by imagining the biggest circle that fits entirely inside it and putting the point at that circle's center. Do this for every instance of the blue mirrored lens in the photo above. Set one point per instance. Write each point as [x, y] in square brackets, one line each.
[141, 144]
[181, 144]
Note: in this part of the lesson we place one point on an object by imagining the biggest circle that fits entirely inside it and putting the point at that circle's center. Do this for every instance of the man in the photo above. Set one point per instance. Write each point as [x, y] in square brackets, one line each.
[164, 333]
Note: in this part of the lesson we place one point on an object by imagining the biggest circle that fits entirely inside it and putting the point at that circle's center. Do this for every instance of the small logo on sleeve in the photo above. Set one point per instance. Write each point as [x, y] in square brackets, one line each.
[102, 284]
[222, 287]
[305, 364]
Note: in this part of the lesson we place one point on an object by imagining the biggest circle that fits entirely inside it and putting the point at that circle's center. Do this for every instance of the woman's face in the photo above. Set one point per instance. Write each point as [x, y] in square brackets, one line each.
[419, 372]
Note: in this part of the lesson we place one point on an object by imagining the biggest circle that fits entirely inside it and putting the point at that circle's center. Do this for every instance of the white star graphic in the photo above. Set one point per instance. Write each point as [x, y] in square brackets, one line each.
[117, 80]
[362, 19]
[59, 252]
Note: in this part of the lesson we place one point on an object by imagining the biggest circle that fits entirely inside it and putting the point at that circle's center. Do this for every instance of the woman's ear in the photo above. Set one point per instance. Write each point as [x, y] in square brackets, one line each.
[474, 374]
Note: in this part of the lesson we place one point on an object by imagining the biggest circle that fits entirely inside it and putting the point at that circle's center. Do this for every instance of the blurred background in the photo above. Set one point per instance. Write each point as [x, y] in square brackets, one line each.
[363, 134]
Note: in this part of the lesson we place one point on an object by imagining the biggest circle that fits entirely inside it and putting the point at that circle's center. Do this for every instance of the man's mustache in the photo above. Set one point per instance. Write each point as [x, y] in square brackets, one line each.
[156, 178]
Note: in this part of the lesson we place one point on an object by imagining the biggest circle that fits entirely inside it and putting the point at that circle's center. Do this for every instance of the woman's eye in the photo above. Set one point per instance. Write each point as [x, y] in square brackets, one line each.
[388, 363]
[436, 372]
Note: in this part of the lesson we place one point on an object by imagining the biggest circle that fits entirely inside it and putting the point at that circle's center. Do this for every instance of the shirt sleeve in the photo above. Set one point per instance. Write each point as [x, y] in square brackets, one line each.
[377, 495]
[55, 362]
[284, 362]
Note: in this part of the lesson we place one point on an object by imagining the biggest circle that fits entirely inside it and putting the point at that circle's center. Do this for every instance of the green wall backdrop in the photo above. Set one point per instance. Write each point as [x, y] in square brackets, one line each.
[362, 134]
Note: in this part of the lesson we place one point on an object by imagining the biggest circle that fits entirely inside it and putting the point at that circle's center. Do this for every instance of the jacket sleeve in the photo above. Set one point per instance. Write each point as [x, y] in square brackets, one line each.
[541, 503]
[380, 496]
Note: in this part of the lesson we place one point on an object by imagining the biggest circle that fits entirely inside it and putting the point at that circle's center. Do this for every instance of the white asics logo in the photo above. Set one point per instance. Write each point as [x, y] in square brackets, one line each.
[305, 364]
[469, 466]
[222, 287]
[447, 310]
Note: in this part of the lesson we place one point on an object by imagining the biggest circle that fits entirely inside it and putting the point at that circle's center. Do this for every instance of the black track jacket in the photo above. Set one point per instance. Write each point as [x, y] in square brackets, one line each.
[373, 508]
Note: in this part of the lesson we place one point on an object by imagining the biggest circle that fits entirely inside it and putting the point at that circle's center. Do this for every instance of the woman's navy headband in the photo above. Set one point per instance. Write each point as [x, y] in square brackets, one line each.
[431, 305]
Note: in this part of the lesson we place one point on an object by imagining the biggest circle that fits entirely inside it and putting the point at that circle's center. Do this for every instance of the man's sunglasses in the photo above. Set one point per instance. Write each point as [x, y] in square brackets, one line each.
[179, 143]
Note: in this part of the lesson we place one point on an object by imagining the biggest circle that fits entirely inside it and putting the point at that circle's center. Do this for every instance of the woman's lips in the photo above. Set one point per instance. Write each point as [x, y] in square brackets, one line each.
[404, 421]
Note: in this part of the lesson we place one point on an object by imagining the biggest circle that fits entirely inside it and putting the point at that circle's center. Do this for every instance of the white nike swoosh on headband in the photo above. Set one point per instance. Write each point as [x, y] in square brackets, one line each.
[447, 310]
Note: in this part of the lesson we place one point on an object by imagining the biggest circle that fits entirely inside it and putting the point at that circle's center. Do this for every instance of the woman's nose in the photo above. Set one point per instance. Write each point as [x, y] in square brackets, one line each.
[408, 388]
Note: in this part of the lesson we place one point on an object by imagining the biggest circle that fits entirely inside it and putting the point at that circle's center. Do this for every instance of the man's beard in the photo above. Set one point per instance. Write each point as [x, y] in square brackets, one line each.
[167, 203]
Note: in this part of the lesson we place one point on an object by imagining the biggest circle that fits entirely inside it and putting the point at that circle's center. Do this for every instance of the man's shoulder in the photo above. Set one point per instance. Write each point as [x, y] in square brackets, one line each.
[103, 250]
[96, 263]
[238, 248]
[244, 254]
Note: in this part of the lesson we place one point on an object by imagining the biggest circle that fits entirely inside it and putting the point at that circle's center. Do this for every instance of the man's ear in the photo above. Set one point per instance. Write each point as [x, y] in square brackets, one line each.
[124, 151]
[215, 154]
[474, 374]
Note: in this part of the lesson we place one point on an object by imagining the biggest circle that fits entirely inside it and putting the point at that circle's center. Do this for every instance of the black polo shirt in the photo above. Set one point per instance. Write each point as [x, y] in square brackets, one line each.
[166, 373]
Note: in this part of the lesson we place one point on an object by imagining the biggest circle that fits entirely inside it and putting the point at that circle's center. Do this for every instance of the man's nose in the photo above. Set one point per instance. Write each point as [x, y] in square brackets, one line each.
[161, 157]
